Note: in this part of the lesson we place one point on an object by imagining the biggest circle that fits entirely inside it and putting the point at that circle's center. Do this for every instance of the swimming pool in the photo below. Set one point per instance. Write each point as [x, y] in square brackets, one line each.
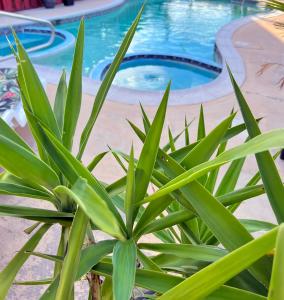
[29, 40]
[181, 27]
[31, 37]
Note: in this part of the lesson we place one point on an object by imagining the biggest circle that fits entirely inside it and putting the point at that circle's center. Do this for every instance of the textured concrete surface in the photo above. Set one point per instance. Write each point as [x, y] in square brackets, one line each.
[258, 43]
[79, 8]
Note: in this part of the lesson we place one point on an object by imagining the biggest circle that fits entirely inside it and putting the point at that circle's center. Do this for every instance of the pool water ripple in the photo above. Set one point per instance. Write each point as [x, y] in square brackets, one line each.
[178, 27]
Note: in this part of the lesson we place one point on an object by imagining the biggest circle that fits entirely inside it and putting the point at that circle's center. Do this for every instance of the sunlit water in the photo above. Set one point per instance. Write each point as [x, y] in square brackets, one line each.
[155, 74]
[181, 27]
[175, 27]
[28, 40]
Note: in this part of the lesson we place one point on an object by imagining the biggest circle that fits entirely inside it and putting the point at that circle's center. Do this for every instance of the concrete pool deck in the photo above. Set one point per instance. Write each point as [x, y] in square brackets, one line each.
[60, 12]
[258, 43]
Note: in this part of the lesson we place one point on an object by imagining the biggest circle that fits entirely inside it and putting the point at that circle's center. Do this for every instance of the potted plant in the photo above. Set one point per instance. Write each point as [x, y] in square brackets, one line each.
[68, 2]
[49, 3]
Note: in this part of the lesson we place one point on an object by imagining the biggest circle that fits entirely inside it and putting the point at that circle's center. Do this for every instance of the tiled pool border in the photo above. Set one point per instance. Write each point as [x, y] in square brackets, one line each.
[217, 88]
[68, 40]
[73, 17]
[90, 14]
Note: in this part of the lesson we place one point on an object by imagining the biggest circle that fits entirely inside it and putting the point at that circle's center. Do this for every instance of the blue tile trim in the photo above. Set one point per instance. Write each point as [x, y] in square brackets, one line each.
[88, 15]
[66, 19]
[68, 40]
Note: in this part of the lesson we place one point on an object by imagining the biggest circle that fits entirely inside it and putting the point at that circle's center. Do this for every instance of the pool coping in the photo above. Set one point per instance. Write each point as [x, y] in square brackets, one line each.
[87, 13]
[219, 87]
[68, 41]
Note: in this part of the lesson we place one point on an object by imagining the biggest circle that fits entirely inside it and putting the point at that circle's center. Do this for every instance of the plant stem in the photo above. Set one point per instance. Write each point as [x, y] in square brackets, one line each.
[94, 283]
[61, 248]
[93, 279]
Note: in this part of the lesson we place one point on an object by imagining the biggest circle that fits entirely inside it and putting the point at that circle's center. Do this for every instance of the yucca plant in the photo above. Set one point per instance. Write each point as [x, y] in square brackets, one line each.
[204, 252]
[275, 4]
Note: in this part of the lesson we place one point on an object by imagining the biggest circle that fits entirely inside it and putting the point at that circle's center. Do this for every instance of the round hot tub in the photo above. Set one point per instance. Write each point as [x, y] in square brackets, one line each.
[153, 72]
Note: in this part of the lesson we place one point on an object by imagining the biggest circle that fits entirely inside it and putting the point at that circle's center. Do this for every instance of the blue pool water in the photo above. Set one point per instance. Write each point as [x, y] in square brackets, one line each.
[29, 40]
[155, 74]
[179, 27]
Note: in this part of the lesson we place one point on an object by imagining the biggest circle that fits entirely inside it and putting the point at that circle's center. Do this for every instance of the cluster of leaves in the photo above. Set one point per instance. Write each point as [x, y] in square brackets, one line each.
[275, 4]
[204, 252]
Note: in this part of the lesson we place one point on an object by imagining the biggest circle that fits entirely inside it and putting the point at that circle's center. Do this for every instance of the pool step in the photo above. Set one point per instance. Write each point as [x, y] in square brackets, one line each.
[35, 20]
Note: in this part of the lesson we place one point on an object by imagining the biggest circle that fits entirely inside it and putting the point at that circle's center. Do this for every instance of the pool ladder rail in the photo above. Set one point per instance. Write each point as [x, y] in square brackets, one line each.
[240, 2]
[33, 20]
